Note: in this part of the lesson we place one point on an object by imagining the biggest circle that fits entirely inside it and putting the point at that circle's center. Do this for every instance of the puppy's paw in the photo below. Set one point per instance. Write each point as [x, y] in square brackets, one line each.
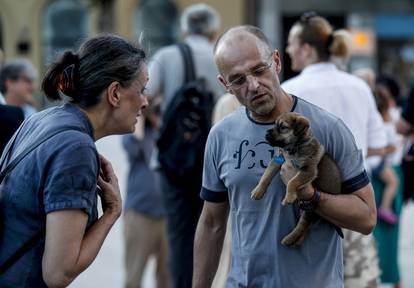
[289, 199]
[257, 193]
[293, 239]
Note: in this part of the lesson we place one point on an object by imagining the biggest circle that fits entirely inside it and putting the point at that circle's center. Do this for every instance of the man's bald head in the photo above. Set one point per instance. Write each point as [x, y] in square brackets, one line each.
[234, 38]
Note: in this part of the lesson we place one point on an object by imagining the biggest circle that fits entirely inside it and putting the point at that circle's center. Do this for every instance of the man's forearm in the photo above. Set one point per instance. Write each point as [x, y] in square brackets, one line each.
[348, 211]
[207, 250]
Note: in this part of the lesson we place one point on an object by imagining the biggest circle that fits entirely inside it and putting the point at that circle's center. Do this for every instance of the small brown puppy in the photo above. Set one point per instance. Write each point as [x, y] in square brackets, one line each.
[293, 135]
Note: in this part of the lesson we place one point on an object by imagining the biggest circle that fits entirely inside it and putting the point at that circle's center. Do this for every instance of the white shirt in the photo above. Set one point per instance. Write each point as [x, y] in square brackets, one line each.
[2, 100]
[345, 96]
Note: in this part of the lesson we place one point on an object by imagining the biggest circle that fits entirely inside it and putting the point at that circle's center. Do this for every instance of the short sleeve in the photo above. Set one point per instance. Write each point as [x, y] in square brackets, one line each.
[341, 146]
[213, 188]
[71, 180]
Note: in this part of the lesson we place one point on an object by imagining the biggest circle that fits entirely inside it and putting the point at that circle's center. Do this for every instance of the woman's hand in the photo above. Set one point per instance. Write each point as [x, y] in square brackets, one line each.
[109, 189]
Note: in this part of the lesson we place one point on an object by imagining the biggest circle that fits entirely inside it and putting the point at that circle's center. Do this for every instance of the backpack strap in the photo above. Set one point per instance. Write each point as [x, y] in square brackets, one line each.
[189, 70]
[39, 234]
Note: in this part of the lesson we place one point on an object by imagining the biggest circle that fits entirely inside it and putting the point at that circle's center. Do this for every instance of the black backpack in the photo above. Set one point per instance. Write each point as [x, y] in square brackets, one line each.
[185, 127]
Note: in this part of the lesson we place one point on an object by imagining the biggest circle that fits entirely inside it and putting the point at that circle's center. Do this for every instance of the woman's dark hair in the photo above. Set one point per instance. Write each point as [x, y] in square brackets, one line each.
[101, 60]
[317, 32]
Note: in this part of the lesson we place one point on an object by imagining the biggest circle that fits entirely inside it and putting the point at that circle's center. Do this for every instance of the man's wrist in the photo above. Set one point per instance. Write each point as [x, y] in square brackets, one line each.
[311, 204]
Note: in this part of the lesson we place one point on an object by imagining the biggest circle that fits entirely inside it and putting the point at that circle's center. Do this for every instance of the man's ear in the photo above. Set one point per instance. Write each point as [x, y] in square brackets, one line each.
[113, 94]
[278, 61]
[223, 82]
[301, 125]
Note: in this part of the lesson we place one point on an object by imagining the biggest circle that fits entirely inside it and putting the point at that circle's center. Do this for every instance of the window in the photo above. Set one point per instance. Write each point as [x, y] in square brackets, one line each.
[65, 25]
[157, 20]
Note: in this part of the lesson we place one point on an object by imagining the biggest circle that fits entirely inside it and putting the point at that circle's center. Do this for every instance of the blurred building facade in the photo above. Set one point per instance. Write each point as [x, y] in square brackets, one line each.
[38, 29]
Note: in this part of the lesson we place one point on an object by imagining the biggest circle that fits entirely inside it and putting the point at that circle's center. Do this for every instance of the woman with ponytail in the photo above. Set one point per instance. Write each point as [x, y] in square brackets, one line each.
[314, 48]
[51, 231]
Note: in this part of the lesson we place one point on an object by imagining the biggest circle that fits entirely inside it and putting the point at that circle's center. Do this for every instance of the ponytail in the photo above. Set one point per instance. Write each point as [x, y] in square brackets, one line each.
[63, 76]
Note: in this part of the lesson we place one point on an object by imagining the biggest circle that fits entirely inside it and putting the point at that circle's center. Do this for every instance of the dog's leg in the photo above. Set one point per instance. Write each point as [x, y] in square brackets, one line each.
[264, 182]
[298, 181]
[298, 234]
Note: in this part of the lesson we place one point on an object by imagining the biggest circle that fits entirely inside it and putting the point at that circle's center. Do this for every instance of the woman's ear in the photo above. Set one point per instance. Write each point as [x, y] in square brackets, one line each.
[113, 94]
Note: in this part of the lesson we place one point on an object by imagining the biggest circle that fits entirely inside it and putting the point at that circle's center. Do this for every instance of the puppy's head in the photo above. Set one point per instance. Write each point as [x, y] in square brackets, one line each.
[289, 129]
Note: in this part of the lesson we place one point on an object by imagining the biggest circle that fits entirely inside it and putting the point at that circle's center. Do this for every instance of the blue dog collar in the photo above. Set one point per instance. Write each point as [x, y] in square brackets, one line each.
[279, 159]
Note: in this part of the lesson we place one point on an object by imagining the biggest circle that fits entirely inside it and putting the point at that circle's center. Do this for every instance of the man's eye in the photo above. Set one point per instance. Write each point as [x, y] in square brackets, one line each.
[259, 71]
[239, 81]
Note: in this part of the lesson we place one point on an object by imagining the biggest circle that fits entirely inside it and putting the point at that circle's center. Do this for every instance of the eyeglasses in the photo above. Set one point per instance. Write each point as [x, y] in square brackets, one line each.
[242, 79]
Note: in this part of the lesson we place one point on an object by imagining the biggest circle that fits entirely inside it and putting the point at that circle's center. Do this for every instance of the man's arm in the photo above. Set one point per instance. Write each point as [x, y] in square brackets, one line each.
[208, 242]
[355, 211]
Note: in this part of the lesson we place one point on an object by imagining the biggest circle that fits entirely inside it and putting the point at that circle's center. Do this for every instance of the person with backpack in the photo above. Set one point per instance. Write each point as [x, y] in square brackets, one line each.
[184, 76]
[52, 173]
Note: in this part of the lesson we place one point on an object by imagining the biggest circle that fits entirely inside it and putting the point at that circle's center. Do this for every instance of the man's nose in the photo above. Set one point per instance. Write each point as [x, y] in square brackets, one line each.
[253, 82]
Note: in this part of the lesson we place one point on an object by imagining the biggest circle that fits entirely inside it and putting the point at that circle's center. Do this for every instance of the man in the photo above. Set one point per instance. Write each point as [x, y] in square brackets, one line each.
[18, 84]
[312, 44]
[236, 156]
[199, 25]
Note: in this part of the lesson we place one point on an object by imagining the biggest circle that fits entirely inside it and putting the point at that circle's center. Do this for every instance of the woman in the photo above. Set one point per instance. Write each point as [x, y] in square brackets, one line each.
[55, 186]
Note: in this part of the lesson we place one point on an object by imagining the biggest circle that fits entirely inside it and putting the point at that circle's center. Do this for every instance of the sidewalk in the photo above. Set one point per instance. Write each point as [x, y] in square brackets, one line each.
[107, 270]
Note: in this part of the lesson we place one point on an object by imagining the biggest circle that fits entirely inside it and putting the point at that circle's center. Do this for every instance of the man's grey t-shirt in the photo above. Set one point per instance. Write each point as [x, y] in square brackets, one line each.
[235, 158]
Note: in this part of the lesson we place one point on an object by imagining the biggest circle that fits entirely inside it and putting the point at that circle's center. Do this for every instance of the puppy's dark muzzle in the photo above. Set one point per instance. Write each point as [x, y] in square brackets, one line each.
[269, 137]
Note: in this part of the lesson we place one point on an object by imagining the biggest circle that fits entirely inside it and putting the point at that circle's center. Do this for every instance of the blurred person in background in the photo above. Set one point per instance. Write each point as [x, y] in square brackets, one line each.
[199, 26]
[387, 180]
[49, 200]
[405, 126]
[145, 231]
[312, 43]
[18, 84]
[10, 117]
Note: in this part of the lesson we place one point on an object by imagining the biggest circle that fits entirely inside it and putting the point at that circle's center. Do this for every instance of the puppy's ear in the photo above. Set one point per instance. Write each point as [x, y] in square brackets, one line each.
[301, 125]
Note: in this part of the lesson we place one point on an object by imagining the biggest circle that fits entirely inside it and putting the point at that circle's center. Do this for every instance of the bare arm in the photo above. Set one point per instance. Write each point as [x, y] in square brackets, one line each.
[208, 242]
[355, 211]
[404, 128]
[68, 249]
